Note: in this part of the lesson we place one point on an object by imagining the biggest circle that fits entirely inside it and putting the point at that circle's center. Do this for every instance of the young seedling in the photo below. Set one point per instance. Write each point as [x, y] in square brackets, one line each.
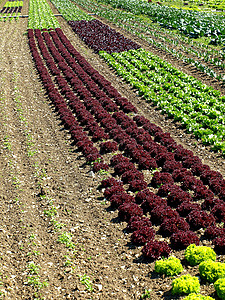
[33, 269]
[146, 294]
[57, 224]
[66, 238]
[35, 281]
[51, 212]
[85, 280]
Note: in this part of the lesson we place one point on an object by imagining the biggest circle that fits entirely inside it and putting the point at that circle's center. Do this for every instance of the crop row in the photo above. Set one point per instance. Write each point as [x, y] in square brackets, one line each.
[99, 36]
[41, 15]
[198, 107]
[183, 48]
[144, 145]
[70, 11]
[190, 23]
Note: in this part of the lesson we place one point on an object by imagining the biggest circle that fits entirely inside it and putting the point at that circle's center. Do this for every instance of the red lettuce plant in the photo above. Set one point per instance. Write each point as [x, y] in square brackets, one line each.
[131, 175]
[181, 153]
[165, 189]
[136, 223]
[161, 178]
[191, 161]
[109, 182]
[172, 225]
[97, 166]
[138, 185]
[124, 167]
[159, 213]
[202, 192]
[171, 165]
[207, 175]
[191, 183]
[186, 207]
[118, 189]
[163, 157]
[180, 174]
[119, 158]
[143, 195]
[200, 219]
[213, 231]
[182, 239]
[218, 211]
[118, 199]
[219, 244]
[153, 250]
[108, 147]
[177, 196]
[128, 210]
[151, 201]
[142, 235]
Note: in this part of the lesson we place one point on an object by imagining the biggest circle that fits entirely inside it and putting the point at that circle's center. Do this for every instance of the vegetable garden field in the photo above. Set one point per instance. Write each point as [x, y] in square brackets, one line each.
[112, 178]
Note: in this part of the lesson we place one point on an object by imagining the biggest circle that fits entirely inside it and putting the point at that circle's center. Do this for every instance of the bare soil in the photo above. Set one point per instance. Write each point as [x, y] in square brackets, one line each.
[42, 174]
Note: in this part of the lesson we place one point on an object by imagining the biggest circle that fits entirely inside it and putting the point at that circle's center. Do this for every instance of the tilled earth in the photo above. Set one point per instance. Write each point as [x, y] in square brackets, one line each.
[43, 175]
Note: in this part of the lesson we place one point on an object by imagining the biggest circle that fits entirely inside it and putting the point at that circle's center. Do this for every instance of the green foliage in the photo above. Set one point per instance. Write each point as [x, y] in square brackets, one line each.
[190, 23]
[146, 294]
[195, 105]
[211, 270]
[66, 238]
[70, 11]
[41, 15]
[198, 297]
[196, 254]
[85, 280]
[170, 266]
[185, 284]
[220, 288]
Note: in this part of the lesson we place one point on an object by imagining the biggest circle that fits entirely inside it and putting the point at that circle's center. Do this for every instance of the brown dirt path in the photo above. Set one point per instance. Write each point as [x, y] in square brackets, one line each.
[55, 173]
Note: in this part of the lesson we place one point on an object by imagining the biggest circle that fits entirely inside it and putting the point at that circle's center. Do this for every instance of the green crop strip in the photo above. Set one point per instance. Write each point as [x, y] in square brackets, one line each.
[198, 107]
[41, 15]
[70, 11]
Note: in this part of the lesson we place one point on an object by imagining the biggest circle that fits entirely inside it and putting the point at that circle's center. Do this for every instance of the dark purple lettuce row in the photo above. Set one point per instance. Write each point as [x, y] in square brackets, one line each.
[99, 36]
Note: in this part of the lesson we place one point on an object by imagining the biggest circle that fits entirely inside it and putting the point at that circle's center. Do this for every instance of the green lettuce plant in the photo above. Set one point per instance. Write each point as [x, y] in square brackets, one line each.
[186, 284]
[211, 270]
[196, 254]
[220, 288]
[170, 266]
